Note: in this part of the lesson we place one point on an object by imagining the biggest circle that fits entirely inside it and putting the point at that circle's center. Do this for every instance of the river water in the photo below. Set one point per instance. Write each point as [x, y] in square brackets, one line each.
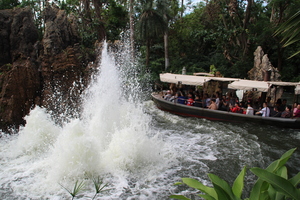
[137, 149]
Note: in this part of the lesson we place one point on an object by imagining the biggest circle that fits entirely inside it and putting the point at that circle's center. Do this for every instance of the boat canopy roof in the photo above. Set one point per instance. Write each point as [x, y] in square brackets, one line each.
[297, 89]
[237, 84]
[191, 79]
[184, 79]
[260, 86]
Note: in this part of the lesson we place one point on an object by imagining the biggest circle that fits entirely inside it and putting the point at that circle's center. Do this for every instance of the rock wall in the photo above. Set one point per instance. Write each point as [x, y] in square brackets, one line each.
[32, 70]
[263, 70]
[261, 66]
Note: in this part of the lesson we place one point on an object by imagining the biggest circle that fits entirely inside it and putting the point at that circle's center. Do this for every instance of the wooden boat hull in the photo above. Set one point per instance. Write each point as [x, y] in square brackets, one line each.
[218, 115]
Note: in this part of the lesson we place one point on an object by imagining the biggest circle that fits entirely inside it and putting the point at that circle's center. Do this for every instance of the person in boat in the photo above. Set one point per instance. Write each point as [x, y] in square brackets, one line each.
[250, 110]
[265, 112]
[217, 99]
[287, 113]
[295, 107]
[197, 101]
[279, 105]
[224, 104]
[283, 105]
[190, 100]
[204, 100]
[275, 112]
[269, 101]
[236, 108]
[181, 97]
[213, 105]
[207, 100]
[297, 113]
[168, 95]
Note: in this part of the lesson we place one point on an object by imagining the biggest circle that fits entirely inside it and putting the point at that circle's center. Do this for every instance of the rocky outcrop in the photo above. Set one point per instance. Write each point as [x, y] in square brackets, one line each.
[19, 76]
[262, 66]
[20, 87]
[263, 70]
[32, 70]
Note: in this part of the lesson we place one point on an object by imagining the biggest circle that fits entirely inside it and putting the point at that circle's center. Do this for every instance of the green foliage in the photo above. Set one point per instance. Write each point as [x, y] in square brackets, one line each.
[99, 186]
[272, 183]
[8, 4]
[290, 31]
[116, 18]
[76, 189]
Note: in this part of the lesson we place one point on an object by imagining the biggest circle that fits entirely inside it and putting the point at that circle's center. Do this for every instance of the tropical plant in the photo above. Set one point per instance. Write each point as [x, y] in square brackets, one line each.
[99, 186]
[290, 31]
[272, 183]
[151, 25]
[8, 4]
[76, 189]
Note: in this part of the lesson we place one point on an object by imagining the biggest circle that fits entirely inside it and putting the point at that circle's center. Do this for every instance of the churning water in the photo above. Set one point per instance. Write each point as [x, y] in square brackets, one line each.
[137, 149]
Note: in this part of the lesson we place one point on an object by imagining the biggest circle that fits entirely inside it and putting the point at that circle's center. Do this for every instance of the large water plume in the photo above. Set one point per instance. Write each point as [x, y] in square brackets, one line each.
[110, 139]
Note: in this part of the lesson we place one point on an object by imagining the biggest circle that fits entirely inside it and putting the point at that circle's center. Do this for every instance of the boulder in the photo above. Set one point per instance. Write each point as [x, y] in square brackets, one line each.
[40, 72]
[262, 66]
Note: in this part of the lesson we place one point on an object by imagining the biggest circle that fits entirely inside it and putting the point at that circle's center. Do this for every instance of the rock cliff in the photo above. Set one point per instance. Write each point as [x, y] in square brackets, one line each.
[32, 69]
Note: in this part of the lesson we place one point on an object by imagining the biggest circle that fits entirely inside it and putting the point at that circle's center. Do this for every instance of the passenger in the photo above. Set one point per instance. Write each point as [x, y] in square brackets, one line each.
[217, 99]
[297, 113]
[265, 112]
[223, 105]
[181, 98]
[213, 105]
[250, 110]
[197, 101]
[278, 104]
[295, 107]
[168, 95]
[275, 112]
[287, 113]
[236, 108]
[283, 105]
[174, 98]
[269, 102]
[190, 100]
[207, 101]
[205, 96]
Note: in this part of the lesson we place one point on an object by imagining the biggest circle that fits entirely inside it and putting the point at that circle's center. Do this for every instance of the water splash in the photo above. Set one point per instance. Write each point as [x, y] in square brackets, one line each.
[111, 139]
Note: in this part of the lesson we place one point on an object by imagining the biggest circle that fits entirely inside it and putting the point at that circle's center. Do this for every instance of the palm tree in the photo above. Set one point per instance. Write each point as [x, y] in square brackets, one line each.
[290, 31]
[151, 24]
[168, 10]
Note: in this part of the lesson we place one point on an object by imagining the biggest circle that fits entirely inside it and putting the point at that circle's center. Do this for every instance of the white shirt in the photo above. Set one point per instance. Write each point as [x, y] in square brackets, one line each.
[249, 111]
[265, 112]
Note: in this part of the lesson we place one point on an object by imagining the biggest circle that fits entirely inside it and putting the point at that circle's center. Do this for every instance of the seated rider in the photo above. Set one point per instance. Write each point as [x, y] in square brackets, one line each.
[249, 110]
[168, 95]
[181, 98]
[190, 100]
[265, 112]
[197, 101]
[297, 112]
[236, 108]
[287, 113]
[213, 105]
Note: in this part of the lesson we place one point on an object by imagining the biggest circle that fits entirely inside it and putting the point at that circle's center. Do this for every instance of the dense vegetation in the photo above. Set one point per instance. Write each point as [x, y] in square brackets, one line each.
[223, 33]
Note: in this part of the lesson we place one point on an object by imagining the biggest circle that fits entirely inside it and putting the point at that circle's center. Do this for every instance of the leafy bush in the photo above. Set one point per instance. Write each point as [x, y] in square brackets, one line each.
[272, 183]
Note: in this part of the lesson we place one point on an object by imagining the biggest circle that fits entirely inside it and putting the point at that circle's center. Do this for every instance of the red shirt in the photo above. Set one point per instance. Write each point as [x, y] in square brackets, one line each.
[235, 109]
[297, 113]
[190, 102]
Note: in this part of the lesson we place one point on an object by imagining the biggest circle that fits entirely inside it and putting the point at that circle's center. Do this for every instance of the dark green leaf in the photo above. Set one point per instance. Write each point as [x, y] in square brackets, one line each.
[178, 197]
[279, 183]
[238, 184]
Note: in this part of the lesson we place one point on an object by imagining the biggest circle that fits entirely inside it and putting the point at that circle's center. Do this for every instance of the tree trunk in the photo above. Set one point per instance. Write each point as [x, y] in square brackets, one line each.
[148, 52]
[166, 45]
[131, 22]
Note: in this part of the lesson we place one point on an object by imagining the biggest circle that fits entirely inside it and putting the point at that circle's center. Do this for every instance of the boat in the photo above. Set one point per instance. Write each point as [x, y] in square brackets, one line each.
[219, 115]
